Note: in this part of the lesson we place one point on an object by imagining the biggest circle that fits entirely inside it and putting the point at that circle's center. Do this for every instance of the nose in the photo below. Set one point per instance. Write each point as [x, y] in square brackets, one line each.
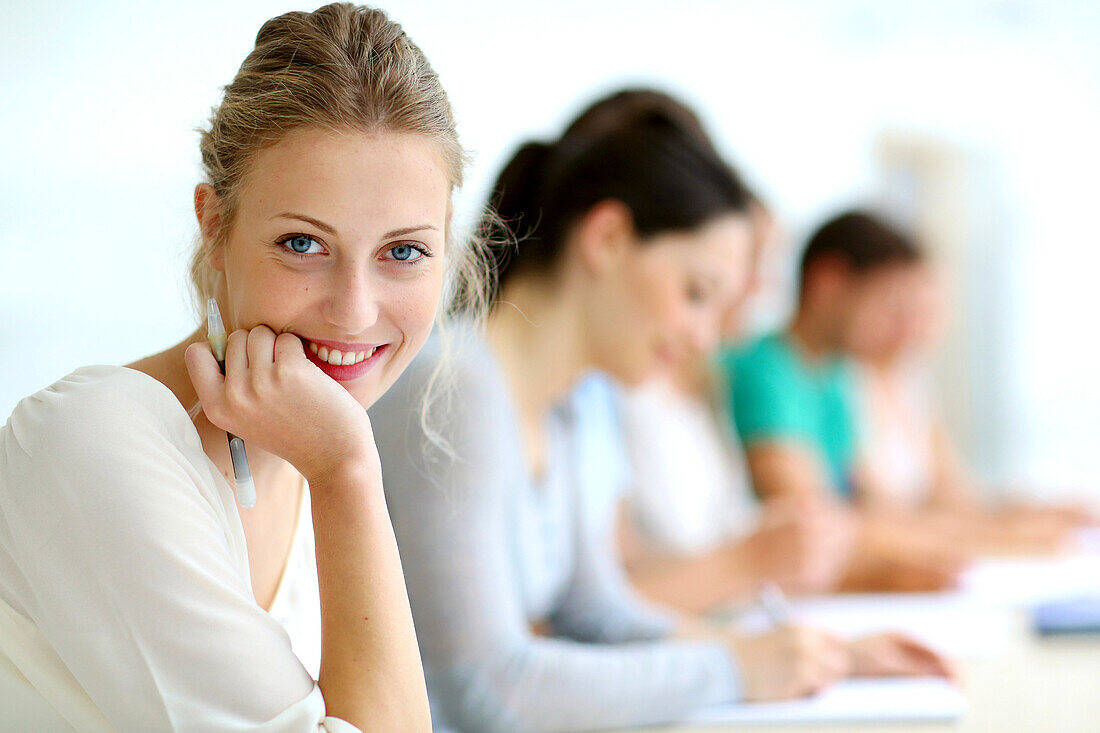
[351, 304]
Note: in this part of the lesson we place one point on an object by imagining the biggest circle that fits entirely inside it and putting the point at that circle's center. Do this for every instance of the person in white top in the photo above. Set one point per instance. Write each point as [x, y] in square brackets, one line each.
[691, 531]
[135, 594]
[910, 466]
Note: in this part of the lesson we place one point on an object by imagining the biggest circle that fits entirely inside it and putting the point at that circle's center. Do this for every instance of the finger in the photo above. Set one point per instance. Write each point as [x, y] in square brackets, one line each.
[822, 677]
[289, 348]
[260, 347]
[897, 654]
[203, 370]
[929, 660]
[832, 641]
[837, 661]
[236, 354]
[829, 652]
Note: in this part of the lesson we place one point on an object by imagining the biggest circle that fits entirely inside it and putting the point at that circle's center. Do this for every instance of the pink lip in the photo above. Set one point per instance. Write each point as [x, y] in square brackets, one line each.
[340, 372]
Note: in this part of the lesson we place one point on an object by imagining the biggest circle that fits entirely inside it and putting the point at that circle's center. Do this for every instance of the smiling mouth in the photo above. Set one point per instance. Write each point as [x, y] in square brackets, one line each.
[335, 357]
[344, 366]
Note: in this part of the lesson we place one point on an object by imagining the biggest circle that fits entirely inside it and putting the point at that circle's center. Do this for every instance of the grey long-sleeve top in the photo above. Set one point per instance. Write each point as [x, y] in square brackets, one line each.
[487, 551]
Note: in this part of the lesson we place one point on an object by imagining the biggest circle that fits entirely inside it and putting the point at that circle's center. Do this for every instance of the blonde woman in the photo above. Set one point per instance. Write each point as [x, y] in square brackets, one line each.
[135, 594]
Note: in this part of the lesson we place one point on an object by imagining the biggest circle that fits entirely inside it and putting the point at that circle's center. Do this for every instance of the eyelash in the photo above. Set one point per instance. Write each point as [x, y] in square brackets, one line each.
[414, 245]
[281, 244]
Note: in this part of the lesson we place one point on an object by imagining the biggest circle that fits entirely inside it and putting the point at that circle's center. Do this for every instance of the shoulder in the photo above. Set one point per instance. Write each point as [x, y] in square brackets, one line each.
[102, 439]
[454, 378]
[105, 454]
[767, 359]
[771, 350]
[95, 408]
[446, 434]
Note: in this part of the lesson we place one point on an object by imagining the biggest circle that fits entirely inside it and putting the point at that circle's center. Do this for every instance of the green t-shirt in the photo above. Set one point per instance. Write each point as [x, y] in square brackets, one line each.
[775, 393]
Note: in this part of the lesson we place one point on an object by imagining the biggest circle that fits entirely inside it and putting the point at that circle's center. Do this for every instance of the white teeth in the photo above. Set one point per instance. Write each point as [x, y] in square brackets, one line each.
[340, 358]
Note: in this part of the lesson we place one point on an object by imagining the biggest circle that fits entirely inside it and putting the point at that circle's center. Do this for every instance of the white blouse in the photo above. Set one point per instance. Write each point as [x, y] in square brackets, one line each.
[690, 491]
[125, 594]
[896, 429]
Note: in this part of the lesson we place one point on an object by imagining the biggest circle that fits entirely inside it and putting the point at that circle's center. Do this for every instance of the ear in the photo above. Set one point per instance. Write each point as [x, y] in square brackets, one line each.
[208, 211]
[604, 235]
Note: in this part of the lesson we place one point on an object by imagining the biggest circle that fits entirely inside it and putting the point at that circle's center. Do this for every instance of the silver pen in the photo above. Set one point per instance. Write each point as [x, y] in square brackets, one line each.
[215, 334]
[774, 602]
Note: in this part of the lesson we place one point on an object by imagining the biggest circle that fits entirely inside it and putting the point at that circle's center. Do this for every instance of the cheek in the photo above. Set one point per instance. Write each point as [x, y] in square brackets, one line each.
[412, 306]
[659, 301]
[261, 291]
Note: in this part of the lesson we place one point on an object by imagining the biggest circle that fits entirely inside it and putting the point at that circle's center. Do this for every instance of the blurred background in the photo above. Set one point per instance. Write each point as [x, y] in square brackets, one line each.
[973, 121]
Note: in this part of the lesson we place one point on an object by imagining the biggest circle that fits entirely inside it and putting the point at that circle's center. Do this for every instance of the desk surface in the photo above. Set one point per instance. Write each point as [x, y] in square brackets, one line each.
[1036, 684]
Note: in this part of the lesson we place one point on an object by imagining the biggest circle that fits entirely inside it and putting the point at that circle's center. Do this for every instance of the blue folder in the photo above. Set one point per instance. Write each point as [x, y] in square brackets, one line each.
[1073, 616]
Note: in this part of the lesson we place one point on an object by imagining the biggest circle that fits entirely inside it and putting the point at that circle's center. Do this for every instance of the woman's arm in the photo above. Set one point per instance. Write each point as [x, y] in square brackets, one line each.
[952, 487]
[273, 397]
[694, 584]
[486, 670]
[788, 469]
[370, 663]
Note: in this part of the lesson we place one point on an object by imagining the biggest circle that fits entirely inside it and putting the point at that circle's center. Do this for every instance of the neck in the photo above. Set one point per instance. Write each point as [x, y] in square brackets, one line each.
[269, 471]
[812, 335]
[535, 332]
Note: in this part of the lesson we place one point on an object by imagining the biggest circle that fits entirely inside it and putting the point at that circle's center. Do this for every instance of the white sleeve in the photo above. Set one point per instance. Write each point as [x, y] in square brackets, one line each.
[115, 544]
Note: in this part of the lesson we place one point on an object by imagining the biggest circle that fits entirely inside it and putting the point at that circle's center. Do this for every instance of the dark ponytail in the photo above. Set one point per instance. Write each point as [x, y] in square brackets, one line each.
[665, 171]
[514, 207]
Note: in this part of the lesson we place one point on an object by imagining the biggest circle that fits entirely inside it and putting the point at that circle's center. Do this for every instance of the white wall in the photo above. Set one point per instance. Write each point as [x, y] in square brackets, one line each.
[99, 158]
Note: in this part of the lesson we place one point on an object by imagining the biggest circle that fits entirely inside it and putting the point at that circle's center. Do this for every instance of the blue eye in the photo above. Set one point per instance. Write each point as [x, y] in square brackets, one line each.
[405, 252]
[302, 245]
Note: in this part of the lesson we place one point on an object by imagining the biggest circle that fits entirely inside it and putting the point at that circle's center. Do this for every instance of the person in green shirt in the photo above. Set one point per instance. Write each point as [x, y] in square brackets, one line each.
[792, 396]
[792, 393]
[781, 395]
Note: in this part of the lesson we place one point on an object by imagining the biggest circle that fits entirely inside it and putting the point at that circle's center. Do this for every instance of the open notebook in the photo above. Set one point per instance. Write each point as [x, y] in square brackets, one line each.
[952, 623]
[852, 701]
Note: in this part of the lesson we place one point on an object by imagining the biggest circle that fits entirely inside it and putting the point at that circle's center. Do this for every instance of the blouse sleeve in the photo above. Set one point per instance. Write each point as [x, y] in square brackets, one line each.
[486, 671]
[599, 605]
[116, 545]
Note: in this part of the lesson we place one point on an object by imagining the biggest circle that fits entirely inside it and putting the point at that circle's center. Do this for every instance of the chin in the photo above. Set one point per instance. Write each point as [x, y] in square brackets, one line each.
[372, 388]
[635, 375]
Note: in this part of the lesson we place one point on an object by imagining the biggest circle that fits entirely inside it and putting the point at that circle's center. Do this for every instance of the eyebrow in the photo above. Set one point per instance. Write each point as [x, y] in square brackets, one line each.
[328, 229]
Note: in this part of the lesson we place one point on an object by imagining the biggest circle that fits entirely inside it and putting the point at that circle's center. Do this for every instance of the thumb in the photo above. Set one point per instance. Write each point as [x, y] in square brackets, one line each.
[205, 375]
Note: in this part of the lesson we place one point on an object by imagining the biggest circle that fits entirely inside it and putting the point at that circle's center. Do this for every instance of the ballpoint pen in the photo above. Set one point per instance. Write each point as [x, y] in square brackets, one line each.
[215, 334]
[774, 602]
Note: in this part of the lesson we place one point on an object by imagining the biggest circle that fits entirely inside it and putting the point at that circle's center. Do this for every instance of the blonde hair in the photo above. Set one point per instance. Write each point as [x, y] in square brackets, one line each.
[340, 67]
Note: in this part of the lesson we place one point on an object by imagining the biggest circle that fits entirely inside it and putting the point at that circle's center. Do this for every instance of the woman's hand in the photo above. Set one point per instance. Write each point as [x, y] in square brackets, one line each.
[273, 397]
[792, 661]
[804, 547]
[892, 654]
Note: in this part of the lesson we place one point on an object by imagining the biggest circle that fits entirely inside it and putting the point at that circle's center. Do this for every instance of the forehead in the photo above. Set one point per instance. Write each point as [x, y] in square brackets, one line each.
[910, 277]
[715, 247]
[717, 237]
[360, 179]
[726, 233]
